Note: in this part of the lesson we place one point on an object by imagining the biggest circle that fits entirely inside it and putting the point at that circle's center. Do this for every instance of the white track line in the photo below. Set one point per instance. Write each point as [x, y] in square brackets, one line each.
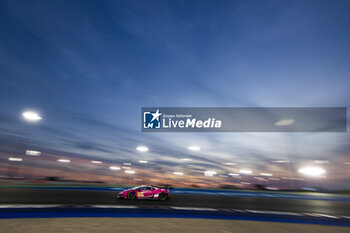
[29, 206]
[191, 208]
[320, 215]
[115, 206]
[273, 212]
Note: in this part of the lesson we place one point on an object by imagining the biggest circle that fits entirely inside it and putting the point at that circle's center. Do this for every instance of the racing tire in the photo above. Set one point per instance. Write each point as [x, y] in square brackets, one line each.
[163, 197]
[131, 195]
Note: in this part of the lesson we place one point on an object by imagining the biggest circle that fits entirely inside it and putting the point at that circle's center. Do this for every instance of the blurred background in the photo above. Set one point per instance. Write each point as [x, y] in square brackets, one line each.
[75, 74]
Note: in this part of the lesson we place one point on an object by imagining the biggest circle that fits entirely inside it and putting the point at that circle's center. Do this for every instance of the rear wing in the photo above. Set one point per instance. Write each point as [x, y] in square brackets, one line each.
[165, 186]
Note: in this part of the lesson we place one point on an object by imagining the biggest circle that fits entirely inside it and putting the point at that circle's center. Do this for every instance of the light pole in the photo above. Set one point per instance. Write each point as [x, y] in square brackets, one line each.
[64, 163]
[33, 153]
[313, 171]
[14, 165]
[31, 117]
[142, 149]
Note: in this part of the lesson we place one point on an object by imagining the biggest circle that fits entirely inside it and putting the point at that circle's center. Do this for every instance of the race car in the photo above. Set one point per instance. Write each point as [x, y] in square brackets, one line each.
[146, 192]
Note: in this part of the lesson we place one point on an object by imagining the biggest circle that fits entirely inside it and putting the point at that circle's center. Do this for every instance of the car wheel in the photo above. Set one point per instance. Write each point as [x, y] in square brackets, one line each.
[163, 197]
[131, 195]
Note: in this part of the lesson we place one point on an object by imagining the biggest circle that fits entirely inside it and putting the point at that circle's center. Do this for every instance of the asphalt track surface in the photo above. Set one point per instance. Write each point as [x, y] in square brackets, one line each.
[78, 197]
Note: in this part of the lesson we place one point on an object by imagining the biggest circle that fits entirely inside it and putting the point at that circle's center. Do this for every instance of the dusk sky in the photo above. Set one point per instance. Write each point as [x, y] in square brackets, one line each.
[88, 67]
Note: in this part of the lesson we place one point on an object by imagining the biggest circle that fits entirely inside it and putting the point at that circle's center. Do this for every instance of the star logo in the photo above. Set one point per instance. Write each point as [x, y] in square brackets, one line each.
[156, 115]
[152, 119]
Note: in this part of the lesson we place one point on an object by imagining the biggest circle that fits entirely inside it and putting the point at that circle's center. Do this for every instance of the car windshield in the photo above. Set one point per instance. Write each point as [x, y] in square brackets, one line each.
[142, 187]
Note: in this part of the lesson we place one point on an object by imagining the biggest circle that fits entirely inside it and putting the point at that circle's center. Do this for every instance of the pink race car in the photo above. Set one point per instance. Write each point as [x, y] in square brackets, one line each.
[146, 192]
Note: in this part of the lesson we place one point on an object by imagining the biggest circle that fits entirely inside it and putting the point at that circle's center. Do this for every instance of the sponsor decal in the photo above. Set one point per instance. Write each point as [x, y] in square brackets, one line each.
[139, 194]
